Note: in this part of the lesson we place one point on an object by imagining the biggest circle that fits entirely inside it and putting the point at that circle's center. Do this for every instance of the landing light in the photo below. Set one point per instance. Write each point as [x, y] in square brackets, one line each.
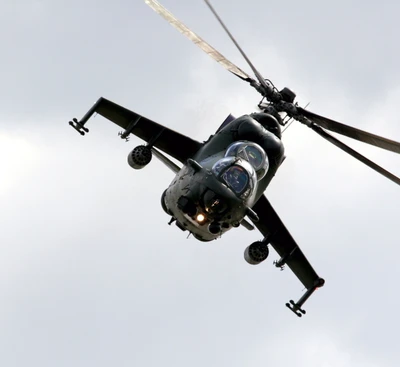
[200, 218]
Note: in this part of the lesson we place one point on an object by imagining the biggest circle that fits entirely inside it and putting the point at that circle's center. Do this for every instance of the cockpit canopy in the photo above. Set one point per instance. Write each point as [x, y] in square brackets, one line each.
[243, 164]
[237, 174]
[252, 153]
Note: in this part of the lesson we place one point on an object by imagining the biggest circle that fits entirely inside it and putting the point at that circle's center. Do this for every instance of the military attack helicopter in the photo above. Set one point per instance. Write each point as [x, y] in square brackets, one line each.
[220, 183]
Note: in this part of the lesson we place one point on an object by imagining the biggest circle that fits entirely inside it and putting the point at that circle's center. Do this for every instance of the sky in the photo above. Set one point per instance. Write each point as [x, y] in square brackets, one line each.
[90, 272]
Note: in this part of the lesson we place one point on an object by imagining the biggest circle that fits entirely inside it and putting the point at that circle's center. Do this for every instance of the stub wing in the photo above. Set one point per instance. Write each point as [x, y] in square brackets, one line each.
[176, 145]
[273, 229]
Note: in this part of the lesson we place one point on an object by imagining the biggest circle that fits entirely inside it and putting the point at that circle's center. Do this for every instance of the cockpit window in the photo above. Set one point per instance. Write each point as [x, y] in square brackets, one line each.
[252, 153]
[236, 173]
[222, 164]
[236, 178]
[255, 156]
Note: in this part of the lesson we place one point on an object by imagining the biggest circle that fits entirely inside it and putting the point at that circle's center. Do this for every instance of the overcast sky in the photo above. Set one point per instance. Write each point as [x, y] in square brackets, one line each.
[90, 272]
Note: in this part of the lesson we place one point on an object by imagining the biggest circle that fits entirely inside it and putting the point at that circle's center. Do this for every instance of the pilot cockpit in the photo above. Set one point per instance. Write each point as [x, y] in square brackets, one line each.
[252, 153]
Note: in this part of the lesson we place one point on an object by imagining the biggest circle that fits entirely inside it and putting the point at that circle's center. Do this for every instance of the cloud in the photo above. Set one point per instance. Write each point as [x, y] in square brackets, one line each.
[19, 158]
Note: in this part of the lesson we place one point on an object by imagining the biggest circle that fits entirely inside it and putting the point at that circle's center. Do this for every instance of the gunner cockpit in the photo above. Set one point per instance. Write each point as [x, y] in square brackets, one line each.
[244, 164]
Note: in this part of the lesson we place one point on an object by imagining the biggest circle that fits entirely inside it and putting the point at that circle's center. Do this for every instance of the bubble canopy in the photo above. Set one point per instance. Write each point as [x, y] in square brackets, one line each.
[237, 174]
[252, 153]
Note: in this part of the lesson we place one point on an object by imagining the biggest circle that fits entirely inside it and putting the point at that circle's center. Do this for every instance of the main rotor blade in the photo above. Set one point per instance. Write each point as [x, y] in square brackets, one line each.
[255, 71]
[351, 132]
[209, 50]
[355, 154]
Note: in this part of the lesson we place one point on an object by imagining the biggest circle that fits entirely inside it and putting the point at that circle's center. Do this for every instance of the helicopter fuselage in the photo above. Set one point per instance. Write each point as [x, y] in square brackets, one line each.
[217, 187]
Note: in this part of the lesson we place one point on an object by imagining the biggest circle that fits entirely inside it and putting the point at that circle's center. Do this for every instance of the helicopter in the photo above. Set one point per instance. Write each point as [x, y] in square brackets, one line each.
[219, 184]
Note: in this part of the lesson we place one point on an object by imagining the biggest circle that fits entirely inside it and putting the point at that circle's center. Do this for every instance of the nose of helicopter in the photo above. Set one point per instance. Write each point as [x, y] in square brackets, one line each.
[218, 203]
[213, 203]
